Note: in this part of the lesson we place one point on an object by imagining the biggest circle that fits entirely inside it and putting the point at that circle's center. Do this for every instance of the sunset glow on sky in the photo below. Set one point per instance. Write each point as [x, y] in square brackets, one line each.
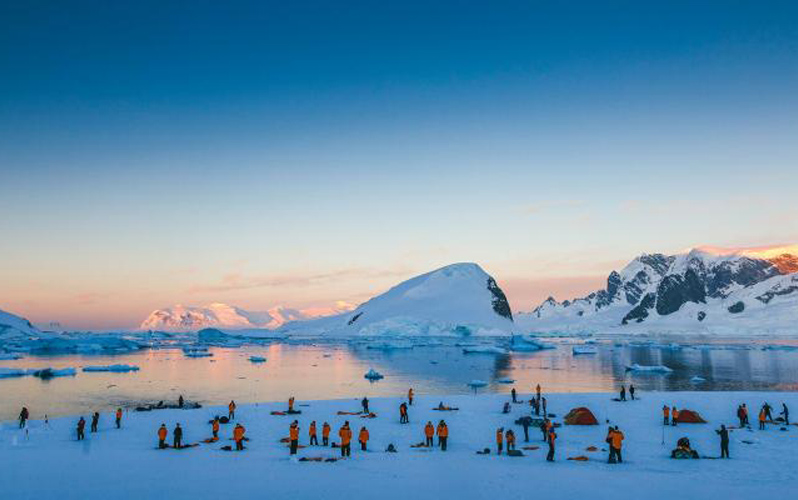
[303, 154]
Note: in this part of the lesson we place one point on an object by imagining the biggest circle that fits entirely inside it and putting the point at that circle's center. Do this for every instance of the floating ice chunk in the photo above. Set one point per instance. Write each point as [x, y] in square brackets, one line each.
[390, 345]
[648, 368]
[13, 372]
[523, 344]
[477, 383]
[697, 379]
[9, 356]
[584, 349]
[111, 368]
[198, 354]
[505, 380]
[372, 374]
[48, 373]
[257, 359]
[484, 349]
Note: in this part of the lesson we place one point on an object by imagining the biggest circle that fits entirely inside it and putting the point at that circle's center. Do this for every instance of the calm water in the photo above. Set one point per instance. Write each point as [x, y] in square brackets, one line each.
[336, 371]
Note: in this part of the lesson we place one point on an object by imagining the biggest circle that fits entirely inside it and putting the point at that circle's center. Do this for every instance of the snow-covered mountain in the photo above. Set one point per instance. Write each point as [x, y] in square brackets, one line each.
[14, 327]
[181, 318]
[695, 291]
[459, 299]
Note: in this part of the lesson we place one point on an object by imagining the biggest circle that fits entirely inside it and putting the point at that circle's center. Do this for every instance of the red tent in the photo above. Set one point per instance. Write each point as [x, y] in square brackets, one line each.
[580, 416]
[690, 417]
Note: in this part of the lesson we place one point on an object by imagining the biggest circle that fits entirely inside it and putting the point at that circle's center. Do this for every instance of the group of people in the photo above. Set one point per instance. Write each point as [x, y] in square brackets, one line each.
[95, 422]
[443, 435]
[631, 392]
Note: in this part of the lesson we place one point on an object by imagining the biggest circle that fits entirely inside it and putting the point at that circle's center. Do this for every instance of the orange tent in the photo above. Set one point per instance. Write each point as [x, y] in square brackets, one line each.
[690, 417]
[580, 416]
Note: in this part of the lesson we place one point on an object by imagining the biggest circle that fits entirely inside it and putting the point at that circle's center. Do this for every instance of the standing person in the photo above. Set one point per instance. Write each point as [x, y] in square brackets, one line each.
[443, 435]
[345, 433]
[623, 393]
[632, 391]
[544, 428]
[23, 417]
[180, 401]
[509, 436]
[215, 428]
[741, 416]
[231, 410]
[363, 438]
[616, 442]
[551, 439]
[429, 433]
[786, 413]
[119, 418]
[410, 396]
[325, 434]
[177, 437]
[162, 433]
[666, 413]
[767, 409]
[312, 433]
[525, 422]
[365, 404]
[293, 436]
[674, 416]
[499, 440]
[291, 404]
[608, 440]
[238, 436]
[762, 419]
[537, 392]
[81, 429]
[536, 405]
[545, 411]
[514, 394]
[724, 441]
[745, 415]
[95, 419]
[403, 417]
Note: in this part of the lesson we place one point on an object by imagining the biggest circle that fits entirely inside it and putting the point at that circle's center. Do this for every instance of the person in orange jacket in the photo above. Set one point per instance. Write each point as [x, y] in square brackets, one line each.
[312, 433]
[410, 396]
[291, 404]
[238, 436]
[293, 436]
[162, 433]
[762, 418]
[552, 438]
[674, 416]
[363, 437]
[325, 434]
[666, 414]
[443, 435]
[119, 418]
[215, 428]
[499, 440]
[403, 417]
[509, 436]
[429, 433]
[345, 433]
[545, 427]
[231, 410]
[615, 440]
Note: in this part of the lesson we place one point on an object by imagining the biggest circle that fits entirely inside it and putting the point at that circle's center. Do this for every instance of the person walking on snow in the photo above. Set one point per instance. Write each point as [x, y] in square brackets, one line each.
[499, 440]
[95, 419]
[537, 392]
[293, 436]
[740, 416]
[410, 396]
[403, 417]
[674, 416]
[291, 404]
[162, 433]
[745, 415]
[23, 417]
[551, 439]
[514, 394]
[443, 435]
[345, 433]
[724, 441]
[429, 433]
[545, 427]
[666, 413]
[238, 436]
[312, 434]
[786, 413]
[231, 410]
[632, 391]
[177, 436]
[363, 438]
[615, 440]
[365, 404]
[509, 436]
[762, 419]
[767, 408]
[81, 428]
[119, 418]
[525, 422]
[215, 428]
[325, 434]
[623, 393]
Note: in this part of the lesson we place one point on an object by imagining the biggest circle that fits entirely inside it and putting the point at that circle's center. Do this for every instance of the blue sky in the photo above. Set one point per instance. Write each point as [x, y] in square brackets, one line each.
[299, 153]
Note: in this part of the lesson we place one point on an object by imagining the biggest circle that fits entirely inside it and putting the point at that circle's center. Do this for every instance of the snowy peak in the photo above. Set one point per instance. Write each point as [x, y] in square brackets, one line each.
[16, 327]
[701, 283]
[182, 318]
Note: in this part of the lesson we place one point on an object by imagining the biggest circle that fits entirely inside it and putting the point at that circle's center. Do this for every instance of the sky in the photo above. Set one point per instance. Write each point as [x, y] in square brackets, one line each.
[303, 153]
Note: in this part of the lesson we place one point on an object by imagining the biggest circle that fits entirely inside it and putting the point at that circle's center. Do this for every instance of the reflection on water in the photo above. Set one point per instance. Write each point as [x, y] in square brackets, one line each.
[336, 371]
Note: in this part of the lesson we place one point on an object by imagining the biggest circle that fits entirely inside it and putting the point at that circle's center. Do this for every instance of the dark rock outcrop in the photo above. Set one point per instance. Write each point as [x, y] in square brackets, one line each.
[737, 307]
[499, 300]
[676, 290]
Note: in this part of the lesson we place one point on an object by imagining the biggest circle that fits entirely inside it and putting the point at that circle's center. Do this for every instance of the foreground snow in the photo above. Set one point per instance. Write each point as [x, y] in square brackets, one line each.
[124, 464]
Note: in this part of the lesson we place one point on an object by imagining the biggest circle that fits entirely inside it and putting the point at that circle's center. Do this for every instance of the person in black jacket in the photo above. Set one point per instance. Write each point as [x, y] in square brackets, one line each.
[514, 395]
[81, 428]
[365, 404]
[632, 391]
[786, 413]
[623, 393]
[95, 419]
[178, 436]
[724, 441]
[23, 417]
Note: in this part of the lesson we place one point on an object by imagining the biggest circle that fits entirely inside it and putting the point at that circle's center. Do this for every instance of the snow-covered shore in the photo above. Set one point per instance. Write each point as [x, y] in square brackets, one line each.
[49, 463]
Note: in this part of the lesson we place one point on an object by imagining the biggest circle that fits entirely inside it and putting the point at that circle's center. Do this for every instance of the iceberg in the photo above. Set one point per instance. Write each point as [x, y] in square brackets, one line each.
[13, 372]
[505, 380]
[48, 373]
[484, 349]
[477, 383]
[584, 349]
[519, 343]
[373, 375]
[648, 368]
[111, 368]
[257, 359]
